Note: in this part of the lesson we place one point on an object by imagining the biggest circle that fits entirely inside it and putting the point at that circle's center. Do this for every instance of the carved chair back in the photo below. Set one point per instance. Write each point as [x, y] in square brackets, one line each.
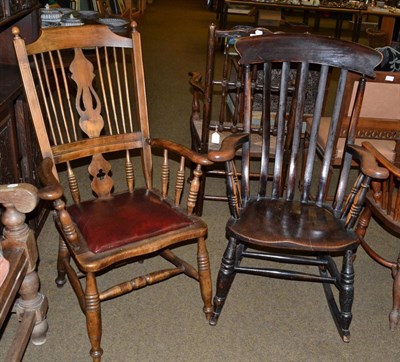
[85, 89]
[85, 106]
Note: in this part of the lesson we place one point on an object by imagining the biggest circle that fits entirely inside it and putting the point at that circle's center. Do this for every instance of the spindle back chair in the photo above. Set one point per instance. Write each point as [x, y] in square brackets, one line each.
[272, 221]
[86, 93]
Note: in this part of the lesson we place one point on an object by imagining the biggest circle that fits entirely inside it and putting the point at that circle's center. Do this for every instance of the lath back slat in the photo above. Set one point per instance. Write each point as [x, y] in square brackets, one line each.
[247, 106]
[323, 79]
[266, 125]
[298, 119]
[331, 135]
[293, 57]
[347, 158]
[280, 119]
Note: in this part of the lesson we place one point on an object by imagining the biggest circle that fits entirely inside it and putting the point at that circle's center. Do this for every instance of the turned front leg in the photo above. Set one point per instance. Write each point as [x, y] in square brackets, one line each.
[204, 276]
[93, 316]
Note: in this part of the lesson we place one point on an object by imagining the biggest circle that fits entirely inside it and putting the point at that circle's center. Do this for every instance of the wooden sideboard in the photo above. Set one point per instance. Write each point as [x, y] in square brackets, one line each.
[19, 152]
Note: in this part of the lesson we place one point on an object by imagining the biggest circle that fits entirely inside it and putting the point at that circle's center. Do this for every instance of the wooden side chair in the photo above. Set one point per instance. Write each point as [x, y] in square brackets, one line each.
[217, 101]
[379, 118]
[18, 247]
[383, 203]
[86, 93]
[217, 106]
[273, 221]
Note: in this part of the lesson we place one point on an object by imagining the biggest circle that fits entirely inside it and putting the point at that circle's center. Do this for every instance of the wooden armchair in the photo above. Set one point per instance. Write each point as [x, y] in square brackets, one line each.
[383, 203]
[19, 247]
[272, 221]
[86, 94]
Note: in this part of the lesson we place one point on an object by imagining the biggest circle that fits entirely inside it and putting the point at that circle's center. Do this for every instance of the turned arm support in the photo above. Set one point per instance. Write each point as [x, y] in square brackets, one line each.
[185, 154]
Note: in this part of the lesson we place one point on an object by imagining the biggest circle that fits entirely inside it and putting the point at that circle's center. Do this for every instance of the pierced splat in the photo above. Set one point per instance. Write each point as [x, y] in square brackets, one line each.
[102, 183]
[87, 101]
[101, 174]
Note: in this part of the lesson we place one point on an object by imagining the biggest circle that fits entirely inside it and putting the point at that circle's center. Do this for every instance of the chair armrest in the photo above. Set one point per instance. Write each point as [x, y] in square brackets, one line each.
[185, 154]
[180, 150]
[228, 147]
[367, 161]
[382, 159]
[52, 189]
[195, 82]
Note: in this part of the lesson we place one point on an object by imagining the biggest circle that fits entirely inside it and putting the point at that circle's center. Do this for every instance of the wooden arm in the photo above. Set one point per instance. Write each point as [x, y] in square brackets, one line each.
[228, 147]
[382, 159]
[52, 189]
[195, 82]
[367, 162]
[180, 150]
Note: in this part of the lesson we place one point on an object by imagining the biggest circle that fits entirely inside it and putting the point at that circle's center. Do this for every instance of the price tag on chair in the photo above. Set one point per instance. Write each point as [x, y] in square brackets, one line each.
[215, 137]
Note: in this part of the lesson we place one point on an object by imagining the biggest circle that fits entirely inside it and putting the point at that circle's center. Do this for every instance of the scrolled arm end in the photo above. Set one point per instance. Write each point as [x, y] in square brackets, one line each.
[180, 150]
[52, 189]
[228, 147]
[195, 81]
[367, 161]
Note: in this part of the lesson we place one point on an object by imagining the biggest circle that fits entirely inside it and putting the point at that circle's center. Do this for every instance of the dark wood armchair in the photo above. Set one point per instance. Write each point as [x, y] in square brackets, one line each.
[383, 203]
[86, 95]
[19, 248]
[274, 222]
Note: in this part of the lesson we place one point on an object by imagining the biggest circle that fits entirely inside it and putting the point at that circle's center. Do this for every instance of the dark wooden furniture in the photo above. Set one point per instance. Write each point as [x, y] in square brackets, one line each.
[339, 11]
[387, 19]
[217, 102]
[90, 104]
[383, 203]
[293, 229]
[20, 249]
[18, 145]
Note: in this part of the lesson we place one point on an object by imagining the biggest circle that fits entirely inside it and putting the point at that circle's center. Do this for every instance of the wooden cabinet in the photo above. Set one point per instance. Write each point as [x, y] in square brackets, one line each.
[18, 149]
